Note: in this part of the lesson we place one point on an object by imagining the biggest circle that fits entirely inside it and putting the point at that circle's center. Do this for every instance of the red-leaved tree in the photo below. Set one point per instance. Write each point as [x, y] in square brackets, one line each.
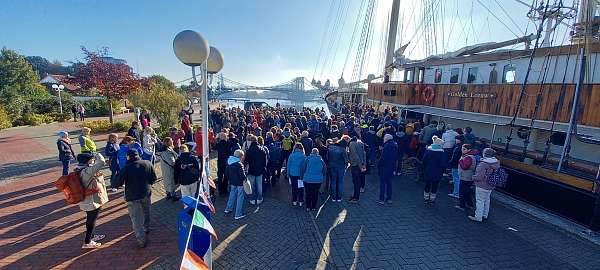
[113, 80]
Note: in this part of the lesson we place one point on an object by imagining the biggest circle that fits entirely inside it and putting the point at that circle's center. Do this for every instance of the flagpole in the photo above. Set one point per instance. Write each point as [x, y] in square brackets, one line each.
[205, 150]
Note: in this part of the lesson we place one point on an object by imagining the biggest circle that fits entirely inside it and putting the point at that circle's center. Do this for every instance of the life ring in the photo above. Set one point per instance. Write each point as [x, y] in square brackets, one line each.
[428, 94]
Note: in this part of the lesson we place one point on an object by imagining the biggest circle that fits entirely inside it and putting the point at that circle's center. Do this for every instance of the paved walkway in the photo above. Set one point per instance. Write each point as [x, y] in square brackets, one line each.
[39, 231]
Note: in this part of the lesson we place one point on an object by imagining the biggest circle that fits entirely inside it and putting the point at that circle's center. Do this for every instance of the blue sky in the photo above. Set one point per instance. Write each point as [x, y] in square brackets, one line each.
[263, 41]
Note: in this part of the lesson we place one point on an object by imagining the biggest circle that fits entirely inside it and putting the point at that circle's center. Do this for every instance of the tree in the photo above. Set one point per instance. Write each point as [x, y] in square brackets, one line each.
[17, 77]
[161, 98]
[42, 66]
[113, 80]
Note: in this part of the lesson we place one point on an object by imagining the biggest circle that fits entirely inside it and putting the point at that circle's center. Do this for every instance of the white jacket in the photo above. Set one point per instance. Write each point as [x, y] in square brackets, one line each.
[449, 138]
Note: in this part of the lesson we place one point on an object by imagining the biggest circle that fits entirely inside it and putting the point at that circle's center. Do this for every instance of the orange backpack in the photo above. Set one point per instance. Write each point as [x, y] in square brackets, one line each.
[70, 185]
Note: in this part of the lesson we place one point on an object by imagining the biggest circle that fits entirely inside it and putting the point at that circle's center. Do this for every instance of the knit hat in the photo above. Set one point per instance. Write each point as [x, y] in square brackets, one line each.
[387, 137]
[437, 140]
[62, 134]
[84, 158]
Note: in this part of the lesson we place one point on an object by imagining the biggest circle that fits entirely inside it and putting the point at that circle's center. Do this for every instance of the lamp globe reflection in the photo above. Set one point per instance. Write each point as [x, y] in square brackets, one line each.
[190, 48]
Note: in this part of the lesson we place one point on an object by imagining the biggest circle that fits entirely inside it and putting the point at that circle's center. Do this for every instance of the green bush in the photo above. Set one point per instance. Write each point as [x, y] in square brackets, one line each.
[103, 126]
[33, 119]
[5, 121]
[96, 107]
[64, 117]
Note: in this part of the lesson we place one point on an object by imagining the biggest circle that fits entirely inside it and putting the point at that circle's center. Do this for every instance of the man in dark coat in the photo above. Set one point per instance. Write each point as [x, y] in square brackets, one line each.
[138, 175]
[134, 132]
[435, 162]
[386, 167]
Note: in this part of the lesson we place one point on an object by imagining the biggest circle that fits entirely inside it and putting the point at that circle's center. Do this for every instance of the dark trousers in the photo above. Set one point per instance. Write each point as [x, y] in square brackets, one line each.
[285, 154]
[465, 194]
[221, 179]
[65, 164]
[431, 186]
[312, 195]
[75, 116]
[385, 186]
[357, 180]
[297, 193]
[90, 223]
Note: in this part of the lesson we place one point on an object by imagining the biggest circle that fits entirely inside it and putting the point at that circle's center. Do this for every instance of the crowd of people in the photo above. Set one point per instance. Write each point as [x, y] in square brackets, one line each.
[310, 149]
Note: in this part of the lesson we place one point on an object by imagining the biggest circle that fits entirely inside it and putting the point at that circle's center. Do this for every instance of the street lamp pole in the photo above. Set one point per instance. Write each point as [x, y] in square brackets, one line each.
[59, 88]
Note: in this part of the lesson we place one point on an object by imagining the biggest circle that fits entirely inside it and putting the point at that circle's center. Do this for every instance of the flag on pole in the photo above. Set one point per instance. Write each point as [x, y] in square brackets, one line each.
[191, 261]
[201, 221]
[206, 201]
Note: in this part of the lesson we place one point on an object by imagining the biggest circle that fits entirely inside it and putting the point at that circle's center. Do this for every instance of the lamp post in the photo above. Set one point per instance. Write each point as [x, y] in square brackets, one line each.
[193, 50]
[58, 88]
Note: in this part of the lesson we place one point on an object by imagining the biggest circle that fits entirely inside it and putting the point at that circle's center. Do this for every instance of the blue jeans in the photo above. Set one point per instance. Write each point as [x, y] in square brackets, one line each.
[337, 182]
[385, 187]
[256, 182]
[236, 197]
[456, 180]
[65, 164]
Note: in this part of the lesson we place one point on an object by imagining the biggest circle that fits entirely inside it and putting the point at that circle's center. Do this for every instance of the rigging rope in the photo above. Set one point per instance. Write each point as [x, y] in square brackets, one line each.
[323, 36]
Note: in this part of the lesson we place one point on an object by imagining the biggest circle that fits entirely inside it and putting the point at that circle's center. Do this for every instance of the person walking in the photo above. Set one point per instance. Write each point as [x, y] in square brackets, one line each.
[294, 171]
[74, 112]
[138, 177]
[81, 111]
[89, 169]
[256, 160]
[466, 168]
[167, 167]
[86, 142]
[483, 190]
[306, 141]
[187, 172]
[236, 175]
[337, 156]
[313, 174]
[453, 163]
[358, 166]
[386, 167]
[111, 151]
[65, 151]
[435, 163]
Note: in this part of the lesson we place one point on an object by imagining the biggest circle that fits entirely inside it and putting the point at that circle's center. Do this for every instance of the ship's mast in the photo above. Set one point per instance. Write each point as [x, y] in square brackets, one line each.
[389, 59]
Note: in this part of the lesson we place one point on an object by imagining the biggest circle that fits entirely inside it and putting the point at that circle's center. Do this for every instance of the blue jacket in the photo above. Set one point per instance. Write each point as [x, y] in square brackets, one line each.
[111, 150]
[337, 156]
[314, 169]
[122, 153]
[295, 162]
[435, 162]
[389, 157]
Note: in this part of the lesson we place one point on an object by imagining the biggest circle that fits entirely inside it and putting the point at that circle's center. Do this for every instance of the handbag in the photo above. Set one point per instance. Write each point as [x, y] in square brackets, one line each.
[247, 186]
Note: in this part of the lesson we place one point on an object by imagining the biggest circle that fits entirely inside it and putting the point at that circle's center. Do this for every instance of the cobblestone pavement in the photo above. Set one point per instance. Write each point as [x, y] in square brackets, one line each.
[39, 231]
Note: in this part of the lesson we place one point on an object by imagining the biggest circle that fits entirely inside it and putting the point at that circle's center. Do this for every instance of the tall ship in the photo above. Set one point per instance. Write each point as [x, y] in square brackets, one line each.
[535, 99]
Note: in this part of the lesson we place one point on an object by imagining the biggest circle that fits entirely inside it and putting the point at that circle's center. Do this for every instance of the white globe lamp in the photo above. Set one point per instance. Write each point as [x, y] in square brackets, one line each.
[215, 61]
[190, 48]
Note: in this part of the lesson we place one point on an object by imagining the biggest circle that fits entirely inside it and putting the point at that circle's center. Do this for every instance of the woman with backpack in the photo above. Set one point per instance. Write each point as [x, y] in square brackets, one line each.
[89, 170]
[487, 167]
[466, 168]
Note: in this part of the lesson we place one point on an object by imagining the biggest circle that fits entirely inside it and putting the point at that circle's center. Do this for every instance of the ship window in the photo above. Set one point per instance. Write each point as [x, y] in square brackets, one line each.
[438, 75]
[509, 74]
[389, 93]
[421, 77]
[409, 75]
[472, 74]
[454, 73]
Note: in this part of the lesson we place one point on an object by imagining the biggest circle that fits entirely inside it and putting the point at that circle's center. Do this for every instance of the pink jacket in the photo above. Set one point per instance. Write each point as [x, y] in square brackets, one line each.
[486, 166]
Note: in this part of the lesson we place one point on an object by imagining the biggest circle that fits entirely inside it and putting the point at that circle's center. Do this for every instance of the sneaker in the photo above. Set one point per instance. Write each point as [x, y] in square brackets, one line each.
[339, 200]
[259, 201]
[98, 237]
[90, 245]
[362, 190]
[253, 202]
[294, 203]
[307, 209]
[451, 195]
[227, 211]
[353, 200]
[459, 208]
[389, 201]
[300, 204]
[142, 244]
[474, 219]
[450, 182]
[240, 217]
[114, 190]
[380, 202]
